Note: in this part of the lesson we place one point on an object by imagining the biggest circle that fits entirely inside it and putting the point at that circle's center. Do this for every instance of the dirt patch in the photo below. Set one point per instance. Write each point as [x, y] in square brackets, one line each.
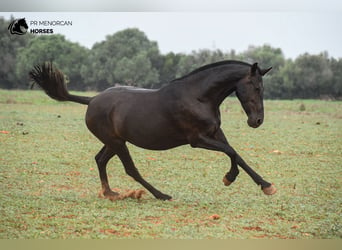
[134, 194]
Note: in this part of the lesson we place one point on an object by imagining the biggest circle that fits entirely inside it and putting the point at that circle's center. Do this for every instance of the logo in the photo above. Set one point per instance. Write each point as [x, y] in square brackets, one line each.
[41, 27]
[18, 27]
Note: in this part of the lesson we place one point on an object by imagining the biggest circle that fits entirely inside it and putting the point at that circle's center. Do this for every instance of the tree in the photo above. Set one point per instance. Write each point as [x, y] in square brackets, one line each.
[267, 56]
[137, 71]
[108, 59]
[9, 45]
[282, 83]
[188, 63]
[335, 86]
[313, 75]
[129, 57]
[168, 68]
[67, 56]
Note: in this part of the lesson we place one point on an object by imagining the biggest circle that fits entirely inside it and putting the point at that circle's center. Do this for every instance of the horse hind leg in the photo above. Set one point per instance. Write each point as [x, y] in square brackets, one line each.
[102, 158]
[132, 171]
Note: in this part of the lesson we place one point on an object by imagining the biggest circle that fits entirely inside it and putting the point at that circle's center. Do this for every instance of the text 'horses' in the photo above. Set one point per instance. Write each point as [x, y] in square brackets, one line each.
[185, 111]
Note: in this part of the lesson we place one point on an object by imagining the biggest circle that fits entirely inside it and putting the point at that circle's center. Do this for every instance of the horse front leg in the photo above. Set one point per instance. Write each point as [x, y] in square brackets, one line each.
[230, 177]
[206, 142]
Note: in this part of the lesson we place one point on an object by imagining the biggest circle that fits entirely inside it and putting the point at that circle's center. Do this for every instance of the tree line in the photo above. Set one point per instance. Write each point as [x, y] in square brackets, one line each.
[128, 57]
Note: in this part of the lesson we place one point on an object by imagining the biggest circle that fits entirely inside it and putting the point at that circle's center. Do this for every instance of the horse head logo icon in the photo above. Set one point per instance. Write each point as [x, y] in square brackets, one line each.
[18, 27]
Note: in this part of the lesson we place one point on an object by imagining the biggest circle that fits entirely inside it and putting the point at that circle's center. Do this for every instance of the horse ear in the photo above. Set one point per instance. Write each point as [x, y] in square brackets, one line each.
[254, 68]
[264, 71]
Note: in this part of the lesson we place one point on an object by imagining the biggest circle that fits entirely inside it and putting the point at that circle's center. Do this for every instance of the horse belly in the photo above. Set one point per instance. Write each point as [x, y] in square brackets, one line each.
[157, 143]
[151, 131]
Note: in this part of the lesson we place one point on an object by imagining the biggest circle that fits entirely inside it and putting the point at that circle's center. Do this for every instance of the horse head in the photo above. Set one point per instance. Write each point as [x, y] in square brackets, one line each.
[249, 91]
[18, 26]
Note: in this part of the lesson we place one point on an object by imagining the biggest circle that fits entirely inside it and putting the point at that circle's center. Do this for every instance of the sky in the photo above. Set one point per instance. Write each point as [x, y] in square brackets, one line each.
[295, 30]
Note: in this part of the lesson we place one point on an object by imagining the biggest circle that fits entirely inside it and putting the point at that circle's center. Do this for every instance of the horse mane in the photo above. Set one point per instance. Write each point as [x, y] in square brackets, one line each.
[211, 65]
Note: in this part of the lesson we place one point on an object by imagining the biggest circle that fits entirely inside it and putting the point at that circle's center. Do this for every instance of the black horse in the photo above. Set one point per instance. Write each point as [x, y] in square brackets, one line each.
[18, 27]
[185, 111]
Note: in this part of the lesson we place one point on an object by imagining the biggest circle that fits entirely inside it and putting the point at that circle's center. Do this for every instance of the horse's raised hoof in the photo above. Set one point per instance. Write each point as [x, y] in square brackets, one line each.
[269, 190]
[226, 182]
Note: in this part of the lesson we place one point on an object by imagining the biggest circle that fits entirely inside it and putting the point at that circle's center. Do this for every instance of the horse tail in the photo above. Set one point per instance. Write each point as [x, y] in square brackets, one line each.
[51, 80]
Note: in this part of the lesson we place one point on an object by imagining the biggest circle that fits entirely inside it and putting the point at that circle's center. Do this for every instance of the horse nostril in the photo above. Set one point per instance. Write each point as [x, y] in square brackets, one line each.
[259, 121]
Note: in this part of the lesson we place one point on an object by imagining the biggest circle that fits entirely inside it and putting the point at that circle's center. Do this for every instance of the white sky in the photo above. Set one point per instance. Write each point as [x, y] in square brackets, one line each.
[295, 32]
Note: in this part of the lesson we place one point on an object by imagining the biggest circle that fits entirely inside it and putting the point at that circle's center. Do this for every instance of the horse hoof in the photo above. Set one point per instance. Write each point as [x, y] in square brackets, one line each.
[164, 197]
[226, 182]
[269, 190]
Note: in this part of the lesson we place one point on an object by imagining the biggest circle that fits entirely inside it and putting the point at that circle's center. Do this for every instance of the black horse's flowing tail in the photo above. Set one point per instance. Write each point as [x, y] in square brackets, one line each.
[51, 80]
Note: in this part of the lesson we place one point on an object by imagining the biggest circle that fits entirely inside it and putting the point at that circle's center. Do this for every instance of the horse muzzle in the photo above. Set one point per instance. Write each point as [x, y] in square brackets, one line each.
[255, 122]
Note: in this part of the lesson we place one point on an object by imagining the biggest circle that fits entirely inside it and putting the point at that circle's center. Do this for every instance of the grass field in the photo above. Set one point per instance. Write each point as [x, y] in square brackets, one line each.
[49, 180]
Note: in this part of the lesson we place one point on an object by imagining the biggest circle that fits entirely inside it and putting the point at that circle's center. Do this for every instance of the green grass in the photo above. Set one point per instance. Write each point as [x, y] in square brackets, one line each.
[49, 180]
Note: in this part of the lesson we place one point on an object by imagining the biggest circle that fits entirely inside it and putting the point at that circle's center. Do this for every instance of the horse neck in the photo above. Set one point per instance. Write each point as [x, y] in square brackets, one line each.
[215, 86]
